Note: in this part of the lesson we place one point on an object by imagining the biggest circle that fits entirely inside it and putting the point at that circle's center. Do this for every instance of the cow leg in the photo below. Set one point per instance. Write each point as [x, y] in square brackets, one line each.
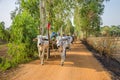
[39, 51]
[70, 46]
[47, 54]
[63, 55]
[42, 57]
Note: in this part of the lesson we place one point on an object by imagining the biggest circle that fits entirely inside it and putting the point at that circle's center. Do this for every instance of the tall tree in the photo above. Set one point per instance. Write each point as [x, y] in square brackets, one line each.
[4, 33]
[2, 30]
[89, 12]
[68, 29]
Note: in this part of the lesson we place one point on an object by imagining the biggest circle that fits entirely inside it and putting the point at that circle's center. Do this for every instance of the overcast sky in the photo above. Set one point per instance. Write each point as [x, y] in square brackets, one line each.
[110, 17]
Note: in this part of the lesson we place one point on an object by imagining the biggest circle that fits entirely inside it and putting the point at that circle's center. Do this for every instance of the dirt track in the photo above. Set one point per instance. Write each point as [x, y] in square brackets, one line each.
[80, 65]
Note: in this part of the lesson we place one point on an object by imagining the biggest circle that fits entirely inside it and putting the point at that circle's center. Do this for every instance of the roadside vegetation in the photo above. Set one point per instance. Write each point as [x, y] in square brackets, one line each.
[107, 43]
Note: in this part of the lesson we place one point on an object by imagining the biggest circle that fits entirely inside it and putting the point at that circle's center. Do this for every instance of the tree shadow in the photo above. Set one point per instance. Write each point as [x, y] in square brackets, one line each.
[79, 61]
[75, 59]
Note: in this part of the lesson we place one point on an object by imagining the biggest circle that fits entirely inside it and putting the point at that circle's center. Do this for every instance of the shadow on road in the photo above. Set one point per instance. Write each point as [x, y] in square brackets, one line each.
[78, 57]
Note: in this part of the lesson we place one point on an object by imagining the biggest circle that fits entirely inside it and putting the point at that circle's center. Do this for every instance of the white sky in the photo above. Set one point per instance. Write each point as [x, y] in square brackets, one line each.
[110, 17]
[6, 6]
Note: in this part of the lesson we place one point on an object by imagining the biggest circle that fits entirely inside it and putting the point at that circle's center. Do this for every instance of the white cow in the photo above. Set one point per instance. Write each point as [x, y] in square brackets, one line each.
[63, 43]
[43, 45]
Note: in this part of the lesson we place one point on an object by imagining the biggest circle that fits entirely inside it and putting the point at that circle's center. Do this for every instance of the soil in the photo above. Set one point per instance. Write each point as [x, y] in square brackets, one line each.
[3, 48]
[113, 66]
[80, 64]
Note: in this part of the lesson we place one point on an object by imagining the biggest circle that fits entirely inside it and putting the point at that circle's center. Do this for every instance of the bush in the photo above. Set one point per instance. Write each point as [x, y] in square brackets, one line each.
[5, 64]
[21, 48]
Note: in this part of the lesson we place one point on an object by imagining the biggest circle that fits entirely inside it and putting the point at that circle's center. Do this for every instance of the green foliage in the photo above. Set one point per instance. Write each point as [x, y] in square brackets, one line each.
[58, 12]
[23, 28]
[31, 6]
[4, 33]
[115, 30]
[110, 30]
[21, 47]
[18, 53]
[2, 30]
[87, 17]
[69, 29]
[5, 64]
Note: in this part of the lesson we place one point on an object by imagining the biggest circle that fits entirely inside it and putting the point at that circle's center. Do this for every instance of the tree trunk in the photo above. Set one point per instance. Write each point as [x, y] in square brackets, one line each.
[49, 21]
[49, 44]
[42, 16]
[43, 21]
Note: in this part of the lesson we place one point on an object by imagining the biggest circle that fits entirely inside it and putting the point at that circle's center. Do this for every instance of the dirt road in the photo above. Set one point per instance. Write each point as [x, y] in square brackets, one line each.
[80, 65]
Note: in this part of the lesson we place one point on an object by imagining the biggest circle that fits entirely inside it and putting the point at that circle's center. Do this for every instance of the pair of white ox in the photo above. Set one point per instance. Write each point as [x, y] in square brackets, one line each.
[62, 43]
